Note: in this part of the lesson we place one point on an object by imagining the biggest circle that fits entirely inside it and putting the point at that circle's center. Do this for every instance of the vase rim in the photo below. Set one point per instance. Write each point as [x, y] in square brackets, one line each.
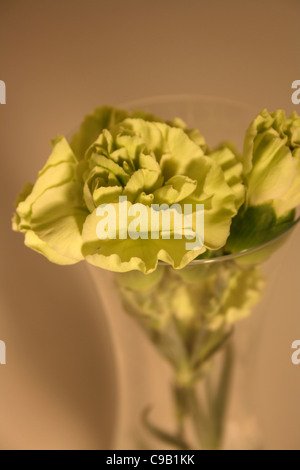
[248, 251]
[183, 97]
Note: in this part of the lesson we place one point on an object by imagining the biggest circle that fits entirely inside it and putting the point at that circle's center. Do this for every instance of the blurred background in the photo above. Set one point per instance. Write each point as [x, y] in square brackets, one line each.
[59, 60]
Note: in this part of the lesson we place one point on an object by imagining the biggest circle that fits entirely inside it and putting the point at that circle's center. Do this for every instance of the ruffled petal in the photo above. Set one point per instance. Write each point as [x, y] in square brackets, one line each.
[51, 213]
[233, 172]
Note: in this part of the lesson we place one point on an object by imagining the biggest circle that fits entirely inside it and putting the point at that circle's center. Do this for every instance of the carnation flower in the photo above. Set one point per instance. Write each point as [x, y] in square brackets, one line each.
[271, 167]
[272, 161]
[198, 296]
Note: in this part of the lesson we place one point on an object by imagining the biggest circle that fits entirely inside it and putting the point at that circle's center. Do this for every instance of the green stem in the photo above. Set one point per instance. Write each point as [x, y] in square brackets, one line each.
[207, 416]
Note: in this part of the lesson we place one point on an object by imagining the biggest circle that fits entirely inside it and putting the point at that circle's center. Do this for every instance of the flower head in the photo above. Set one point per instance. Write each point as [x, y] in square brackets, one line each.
[272, 161]
[271, 168]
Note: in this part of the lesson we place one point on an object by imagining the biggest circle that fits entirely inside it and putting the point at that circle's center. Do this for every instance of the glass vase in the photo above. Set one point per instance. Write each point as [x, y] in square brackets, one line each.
[186, 341]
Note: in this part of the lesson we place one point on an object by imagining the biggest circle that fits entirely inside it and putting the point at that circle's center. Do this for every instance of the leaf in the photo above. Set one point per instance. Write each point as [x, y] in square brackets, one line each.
[162, 435]
[255, 226]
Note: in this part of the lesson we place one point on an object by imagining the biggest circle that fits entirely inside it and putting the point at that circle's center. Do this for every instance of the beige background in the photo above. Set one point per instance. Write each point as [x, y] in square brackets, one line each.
[60, 59]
